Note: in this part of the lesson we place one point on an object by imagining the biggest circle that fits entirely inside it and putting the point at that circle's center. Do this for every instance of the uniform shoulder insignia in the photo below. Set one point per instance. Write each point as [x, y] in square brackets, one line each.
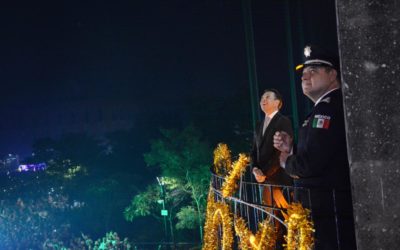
[305, 123]
[327, 100]
[321, 121]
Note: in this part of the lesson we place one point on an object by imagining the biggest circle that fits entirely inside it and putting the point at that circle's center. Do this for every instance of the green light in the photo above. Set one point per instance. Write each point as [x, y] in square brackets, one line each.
[164, 212]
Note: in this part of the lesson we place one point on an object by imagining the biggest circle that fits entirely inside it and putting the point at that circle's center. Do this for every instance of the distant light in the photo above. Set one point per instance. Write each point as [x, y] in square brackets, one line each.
[31, 167]
[23, 168]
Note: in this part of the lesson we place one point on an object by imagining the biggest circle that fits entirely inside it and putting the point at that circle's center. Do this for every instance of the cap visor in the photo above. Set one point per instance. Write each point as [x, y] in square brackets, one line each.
[299, 67]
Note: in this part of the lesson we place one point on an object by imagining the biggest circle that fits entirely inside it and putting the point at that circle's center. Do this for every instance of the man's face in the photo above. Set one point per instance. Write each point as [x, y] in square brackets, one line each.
[269, 103]
[316, 81]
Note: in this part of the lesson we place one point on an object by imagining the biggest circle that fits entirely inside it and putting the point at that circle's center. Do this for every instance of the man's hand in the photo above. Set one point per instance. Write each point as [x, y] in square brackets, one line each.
[260, 177]
[283, 142]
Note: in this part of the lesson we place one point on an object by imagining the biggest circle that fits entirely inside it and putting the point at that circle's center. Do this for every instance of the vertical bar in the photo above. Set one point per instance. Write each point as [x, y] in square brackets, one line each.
[240, 187]
[291, 70]
[256, 201]
[271, 196]
[251, 61]
[300, 27]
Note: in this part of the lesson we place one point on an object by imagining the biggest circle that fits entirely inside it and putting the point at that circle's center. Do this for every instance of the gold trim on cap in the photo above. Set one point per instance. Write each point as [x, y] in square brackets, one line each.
[300, 66]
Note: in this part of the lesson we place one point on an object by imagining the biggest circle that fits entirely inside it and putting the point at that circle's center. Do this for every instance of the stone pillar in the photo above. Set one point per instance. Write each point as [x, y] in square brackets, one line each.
[368, 32]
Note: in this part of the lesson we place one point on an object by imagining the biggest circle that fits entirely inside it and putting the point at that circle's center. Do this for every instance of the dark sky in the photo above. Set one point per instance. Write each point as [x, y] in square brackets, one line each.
[151, 57]
[138, 46]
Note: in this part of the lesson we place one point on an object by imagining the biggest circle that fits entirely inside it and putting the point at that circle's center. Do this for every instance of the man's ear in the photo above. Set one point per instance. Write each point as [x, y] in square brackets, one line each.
[277, 103]
[333, 74]
[280, 104]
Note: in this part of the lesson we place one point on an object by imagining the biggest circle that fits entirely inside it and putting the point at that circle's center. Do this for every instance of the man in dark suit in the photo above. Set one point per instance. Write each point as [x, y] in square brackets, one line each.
[264, 157]
[319, 163]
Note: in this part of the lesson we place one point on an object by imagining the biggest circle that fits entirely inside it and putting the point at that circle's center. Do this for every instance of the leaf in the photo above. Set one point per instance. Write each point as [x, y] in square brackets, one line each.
[187, 218]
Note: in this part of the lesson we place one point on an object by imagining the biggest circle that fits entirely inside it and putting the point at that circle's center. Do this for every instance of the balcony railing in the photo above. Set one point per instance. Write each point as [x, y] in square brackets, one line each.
[256, 203]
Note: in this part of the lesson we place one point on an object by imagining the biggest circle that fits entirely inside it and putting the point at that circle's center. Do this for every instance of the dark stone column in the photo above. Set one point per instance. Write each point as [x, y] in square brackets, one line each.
[368, 32]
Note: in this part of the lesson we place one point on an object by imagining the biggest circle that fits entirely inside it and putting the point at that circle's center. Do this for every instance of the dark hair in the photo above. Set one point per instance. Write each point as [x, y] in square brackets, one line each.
[278, 96]
[329, 69]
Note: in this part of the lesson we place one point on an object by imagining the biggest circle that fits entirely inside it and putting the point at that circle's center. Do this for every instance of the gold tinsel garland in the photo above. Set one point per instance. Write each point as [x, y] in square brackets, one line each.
[230, 184]
[244, 233]
[209, 240]
[217, 214]
[300, 228]
[222, 159]
[264, 239]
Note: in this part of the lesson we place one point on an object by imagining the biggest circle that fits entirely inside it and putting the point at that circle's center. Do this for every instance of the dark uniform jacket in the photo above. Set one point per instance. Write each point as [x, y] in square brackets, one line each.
[265, 156]
[321, 157]
[321, 164]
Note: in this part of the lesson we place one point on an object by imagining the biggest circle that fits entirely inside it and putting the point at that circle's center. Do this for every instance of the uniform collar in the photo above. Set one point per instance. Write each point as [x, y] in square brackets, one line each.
[323, 96]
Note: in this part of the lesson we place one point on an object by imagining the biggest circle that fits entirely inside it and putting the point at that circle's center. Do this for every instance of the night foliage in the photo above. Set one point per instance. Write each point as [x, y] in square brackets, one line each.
[183, 159]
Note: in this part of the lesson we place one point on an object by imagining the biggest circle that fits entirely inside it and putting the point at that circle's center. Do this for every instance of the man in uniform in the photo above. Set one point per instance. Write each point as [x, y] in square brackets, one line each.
[319, 164]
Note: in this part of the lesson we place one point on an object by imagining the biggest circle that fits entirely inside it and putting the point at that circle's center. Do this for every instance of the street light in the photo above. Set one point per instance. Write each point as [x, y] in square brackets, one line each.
[164, 212]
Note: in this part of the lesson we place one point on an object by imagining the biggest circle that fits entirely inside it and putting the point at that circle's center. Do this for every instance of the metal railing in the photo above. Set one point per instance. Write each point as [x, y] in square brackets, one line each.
[249, 203]
[256, 202]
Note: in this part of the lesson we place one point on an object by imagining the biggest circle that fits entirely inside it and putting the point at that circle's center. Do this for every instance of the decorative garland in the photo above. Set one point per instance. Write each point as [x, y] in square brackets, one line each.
[243, 232]
[222, 215]
[230, 184]
[300, 228]
[222, 159]
[264, 239]
[208, 234]
[217, 214]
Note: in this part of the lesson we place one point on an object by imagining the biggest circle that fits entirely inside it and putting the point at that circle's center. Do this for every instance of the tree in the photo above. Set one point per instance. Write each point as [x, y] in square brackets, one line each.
[88, 172]
[148, 203]
[187, 218]
[183, 159]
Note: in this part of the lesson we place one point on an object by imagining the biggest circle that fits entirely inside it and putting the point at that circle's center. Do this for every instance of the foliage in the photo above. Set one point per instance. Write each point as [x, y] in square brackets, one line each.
[91, 170]
[183, 156]
[147, 202]
[110, 241]
[103, 187]
[175, 151]
[187, 218]
[70, 157]
[183, 159]
[142, 204]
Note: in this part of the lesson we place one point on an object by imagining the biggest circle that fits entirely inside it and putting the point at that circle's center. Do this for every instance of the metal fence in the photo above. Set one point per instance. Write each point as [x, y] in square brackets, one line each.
[250, 201]
[257, 202]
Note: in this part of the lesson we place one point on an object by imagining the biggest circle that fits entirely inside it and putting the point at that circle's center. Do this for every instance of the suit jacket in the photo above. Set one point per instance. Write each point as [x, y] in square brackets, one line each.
[265, 156]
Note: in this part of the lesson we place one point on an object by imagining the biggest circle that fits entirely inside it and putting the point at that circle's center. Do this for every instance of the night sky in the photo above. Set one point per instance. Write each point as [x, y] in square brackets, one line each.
[160, 63]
